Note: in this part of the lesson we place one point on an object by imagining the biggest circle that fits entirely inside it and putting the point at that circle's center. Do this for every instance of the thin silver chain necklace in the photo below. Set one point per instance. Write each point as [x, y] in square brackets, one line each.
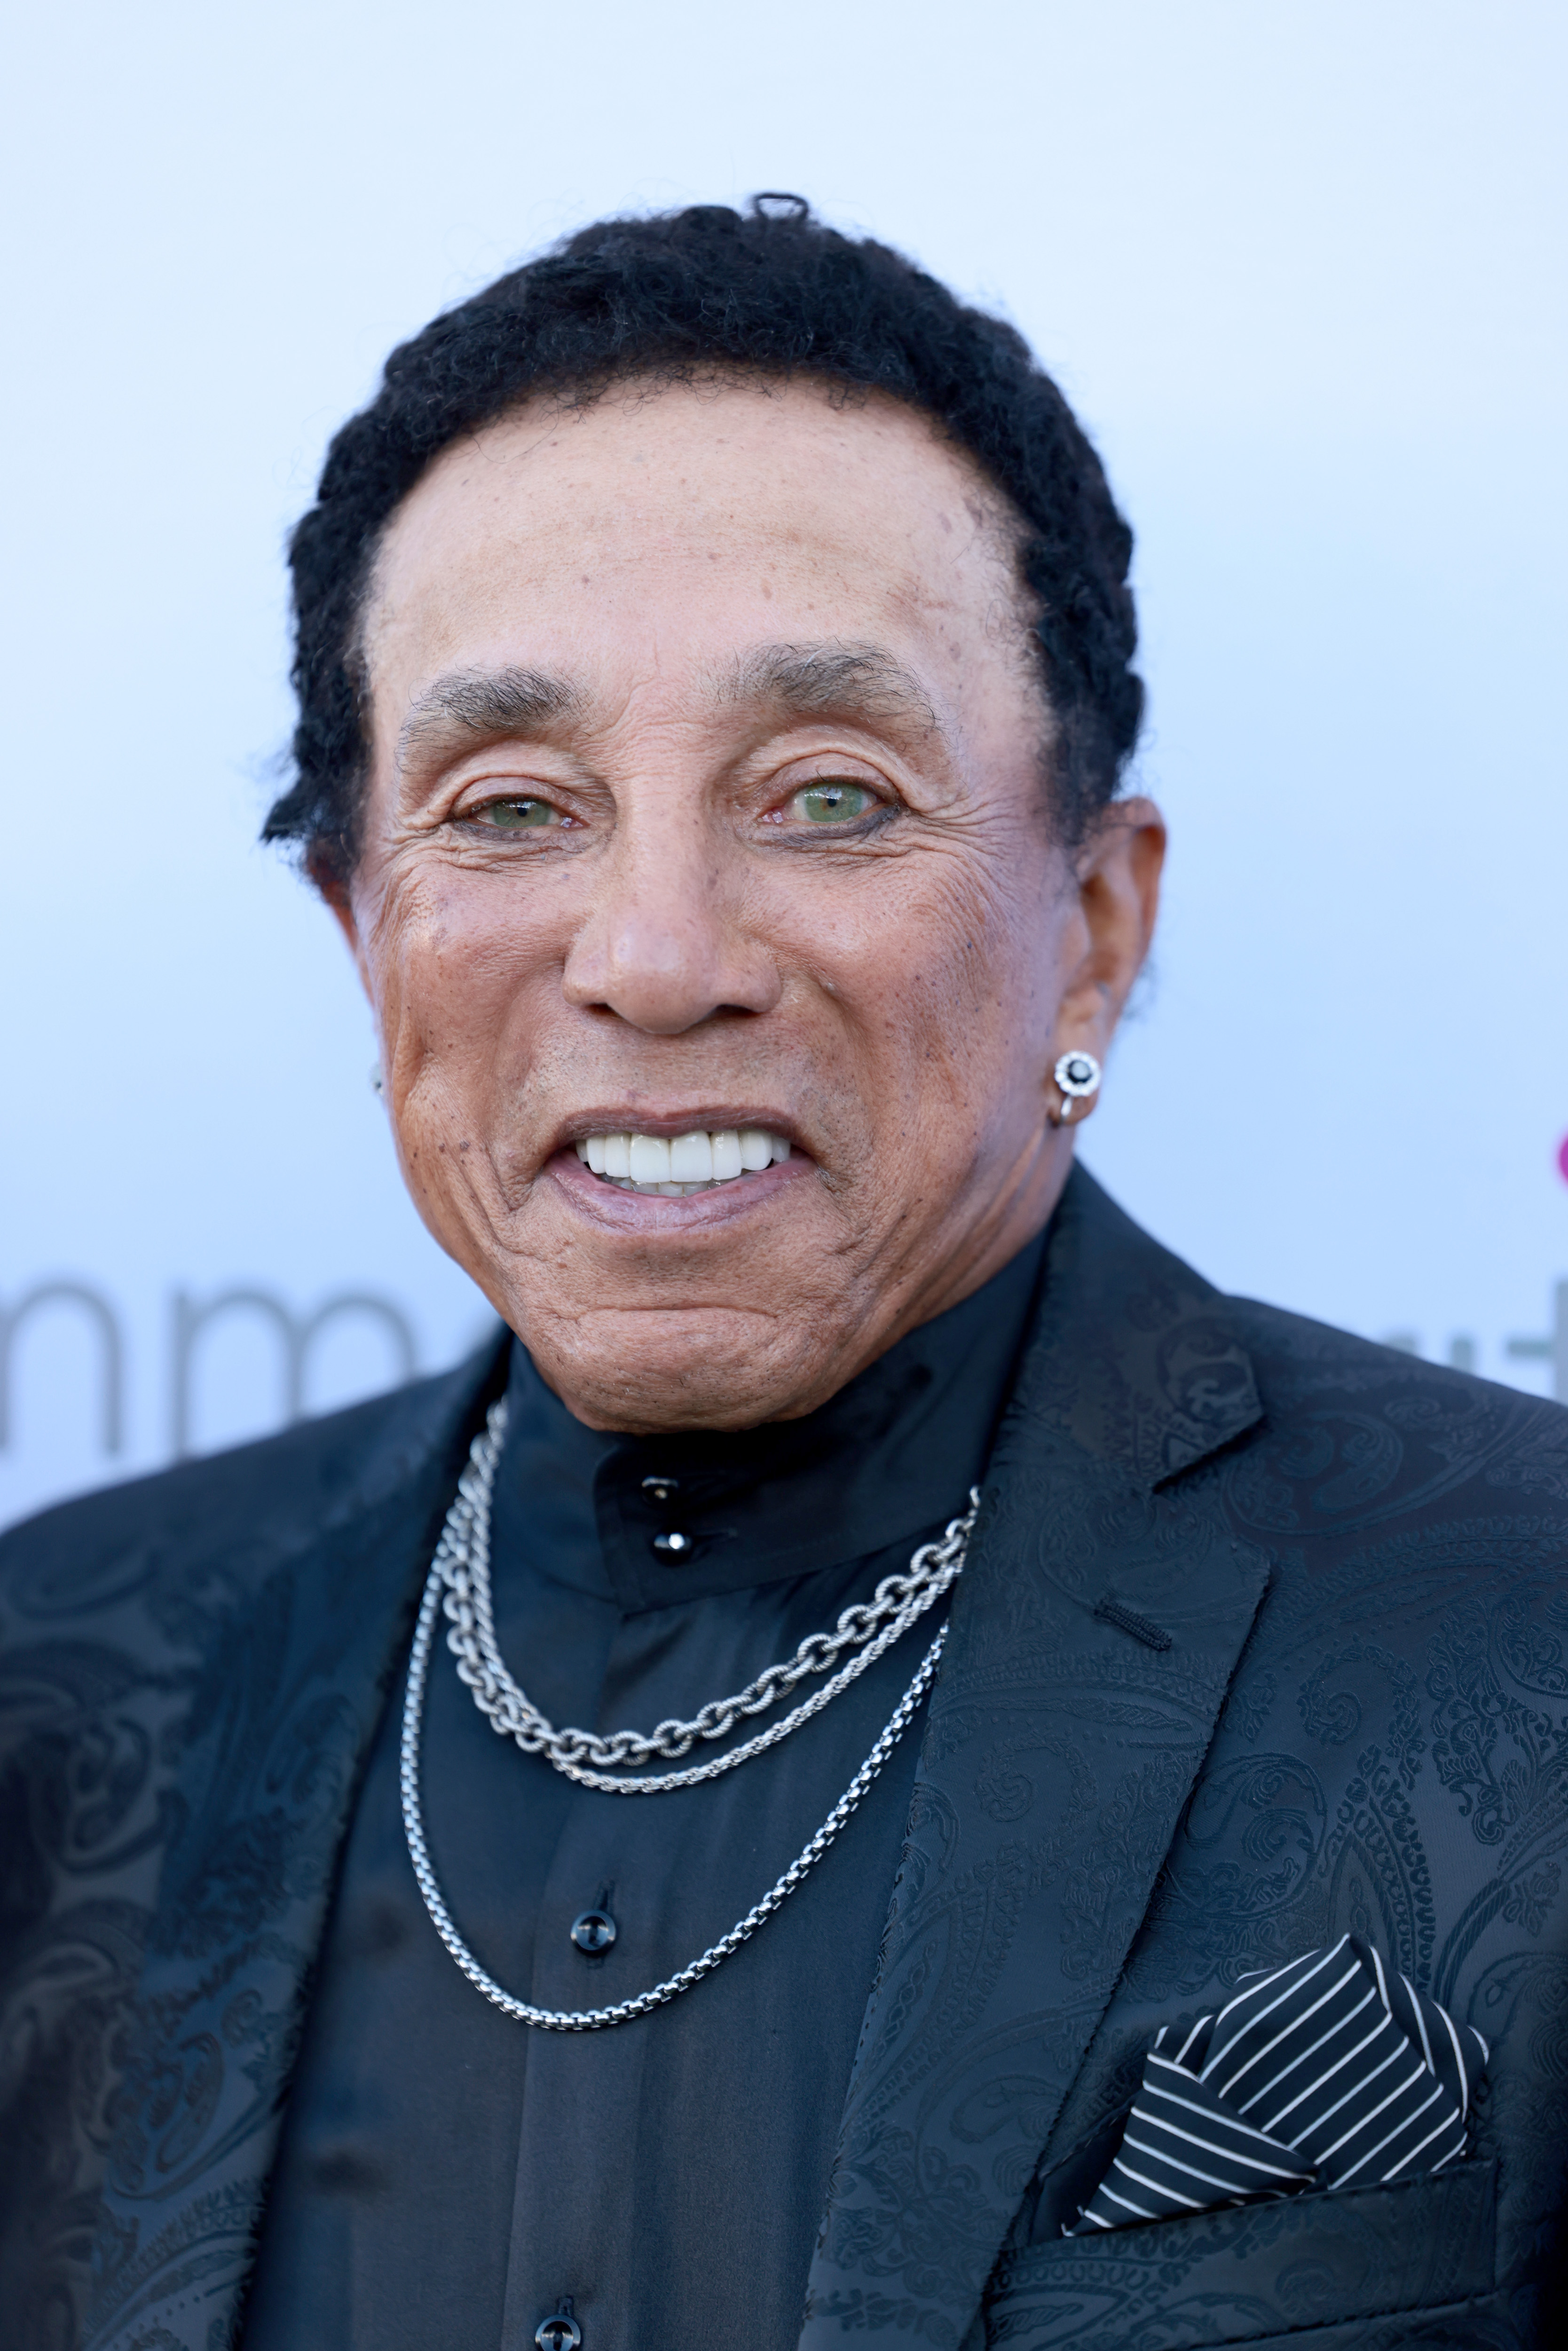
[466, 1535]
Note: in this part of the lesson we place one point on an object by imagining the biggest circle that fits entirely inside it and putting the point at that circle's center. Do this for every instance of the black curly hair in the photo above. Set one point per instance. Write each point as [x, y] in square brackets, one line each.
[773, 292]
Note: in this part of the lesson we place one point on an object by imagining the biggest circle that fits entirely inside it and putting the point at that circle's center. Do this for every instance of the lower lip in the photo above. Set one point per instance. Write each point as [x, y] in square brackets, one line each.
[645, 1211]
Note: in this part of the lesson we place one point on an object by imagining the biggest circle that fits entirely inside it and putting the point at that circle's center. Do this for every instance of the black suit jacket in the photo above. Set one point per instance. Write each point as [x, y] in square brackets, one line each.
[1361, 1721]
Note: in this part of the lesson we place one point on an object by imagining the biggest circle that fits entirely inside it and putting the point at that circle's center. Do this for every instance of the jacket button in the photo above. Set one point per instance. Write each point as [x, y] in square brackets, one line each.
[661, 1490]
[594, 1932]
[672, 1546]
[560, 2332]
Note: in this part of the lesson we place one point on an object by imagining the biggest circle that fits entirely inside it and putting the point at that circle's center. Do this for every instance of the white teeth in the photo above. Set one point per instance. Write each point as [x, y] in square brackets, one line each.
[725, 1155]
[650, 1159]
[686, 1164]
[690, 1159]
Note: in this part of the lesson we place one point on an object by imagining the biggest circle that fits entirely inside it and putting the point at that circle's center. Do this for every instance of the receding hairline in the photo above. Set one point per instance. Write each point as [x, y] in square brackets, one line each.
[642, 384]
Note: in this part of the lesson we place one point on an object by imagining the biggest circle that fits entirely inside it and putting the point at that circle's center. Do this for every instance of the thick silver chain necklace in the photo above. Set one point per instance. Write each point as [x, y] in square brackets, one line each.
[870, 1629]
[451, 1587]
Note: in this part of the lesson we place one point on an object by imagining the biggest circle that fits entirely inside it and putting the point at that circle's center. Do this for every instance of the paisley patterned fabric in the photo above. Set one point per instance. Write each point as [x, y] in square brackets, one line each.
[1358, 1723]
[191, 1669]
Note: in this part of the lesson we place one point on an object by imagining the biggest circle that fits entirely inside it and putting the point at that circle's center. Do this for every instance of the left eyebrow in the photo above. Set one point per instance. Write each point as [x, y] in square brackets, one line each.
[479, 703]
[833, 680]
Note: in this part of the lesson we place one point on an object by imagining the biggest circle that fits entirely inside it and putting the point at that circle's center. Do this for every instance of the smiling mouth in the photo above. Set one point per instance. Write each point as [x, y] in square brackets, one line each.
[674, 1167]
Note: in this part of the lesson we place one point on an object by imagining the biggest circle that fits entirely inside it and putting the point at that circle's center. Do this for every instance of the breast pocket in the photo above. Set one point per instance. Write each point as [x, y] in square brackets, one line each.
[1317, 2259]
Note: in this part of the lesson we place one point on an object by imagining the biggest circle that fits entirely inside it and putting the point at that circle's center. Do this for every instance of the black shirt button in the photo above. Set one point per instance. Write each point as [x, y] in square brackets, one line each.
[661, 1490]
[672, 1546]
[560, 2332]
[594, 1932]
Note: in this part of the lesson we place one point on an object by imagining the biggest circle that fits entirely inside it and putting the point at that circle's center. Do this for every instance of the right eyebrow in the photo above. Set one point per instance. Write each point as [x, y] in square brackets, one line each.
[473, 703]
[862, 682]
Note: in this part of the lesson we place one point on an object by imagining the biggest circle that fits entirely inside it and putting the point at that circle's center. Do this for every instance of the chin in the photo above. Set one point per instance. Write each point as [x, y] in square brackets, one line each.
[721, 1370]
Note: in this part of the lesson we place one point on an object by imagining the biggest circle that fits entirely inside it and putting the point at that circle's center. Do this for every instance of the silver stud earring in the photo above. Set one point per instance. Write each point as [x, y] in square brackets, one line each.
[1077, 1076]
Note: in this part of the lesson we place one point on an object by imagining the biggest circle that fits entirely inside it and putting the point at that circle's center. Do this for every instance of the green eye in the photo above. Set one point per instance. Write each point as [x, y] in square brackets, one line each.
[831, 803]
[516, 816]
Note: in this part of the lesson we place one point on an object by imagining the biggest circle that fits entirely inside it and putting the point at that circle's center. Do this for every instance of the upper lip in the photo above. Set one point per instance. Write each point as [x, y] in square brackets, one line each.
[707, 1121]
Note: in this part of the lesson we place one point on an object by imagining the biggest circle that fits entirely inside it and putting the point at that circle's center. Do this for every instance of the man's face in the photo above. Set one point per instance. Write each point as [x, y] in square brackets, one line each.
[705, 801]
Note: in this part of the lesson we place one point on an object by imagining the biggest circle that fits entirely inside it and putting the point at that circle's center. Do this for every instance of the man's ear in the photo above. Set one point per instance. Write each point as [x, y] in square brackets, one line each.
[1118, 880]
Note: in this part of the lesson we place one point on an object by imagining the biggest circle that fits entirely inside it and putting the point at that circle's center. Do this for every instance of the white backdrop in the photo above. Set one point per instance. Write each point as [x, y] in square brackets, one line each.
[1298, 263]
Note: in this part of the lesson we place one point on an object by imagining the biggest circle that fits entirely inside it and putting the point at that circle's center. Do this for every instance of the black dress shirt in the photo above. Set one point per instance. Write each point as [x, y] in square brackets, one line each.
[448, 2178]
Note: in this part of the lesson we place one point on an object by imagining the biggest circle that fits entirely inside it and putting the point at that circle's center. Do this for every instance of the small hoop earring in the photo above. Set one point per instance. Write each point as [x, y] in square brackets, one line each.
[378, 1083]
[1077, 1076]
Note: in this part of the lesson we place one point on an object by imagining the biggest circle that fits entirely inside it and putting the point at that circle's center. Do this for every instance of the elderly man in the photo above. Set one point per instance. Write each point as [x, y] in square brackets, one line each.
[890, 1764]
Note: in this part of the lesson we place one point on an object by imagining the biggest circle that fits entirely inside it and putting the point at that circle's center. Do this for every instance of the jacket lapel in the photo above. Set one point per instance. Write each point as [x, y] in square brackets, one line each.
[1061, 1748]
[289, 1634]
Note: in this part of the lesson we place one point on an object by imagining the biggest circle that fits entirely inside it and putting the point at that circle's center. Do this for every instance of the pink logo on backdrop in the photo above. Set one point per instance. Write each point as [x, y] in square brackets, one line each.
[1562, 1159]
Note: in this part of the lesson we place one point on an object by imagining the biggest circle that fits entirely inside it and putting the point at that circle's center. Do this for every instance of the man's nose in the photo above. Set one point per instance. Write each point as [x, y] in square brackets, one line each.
[665, 946]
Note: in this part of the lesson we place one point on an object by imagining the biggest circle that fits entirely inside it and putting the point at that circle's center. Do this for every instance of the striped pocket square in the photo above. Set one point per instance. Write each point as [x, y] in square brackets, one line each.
[1332, 2071]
